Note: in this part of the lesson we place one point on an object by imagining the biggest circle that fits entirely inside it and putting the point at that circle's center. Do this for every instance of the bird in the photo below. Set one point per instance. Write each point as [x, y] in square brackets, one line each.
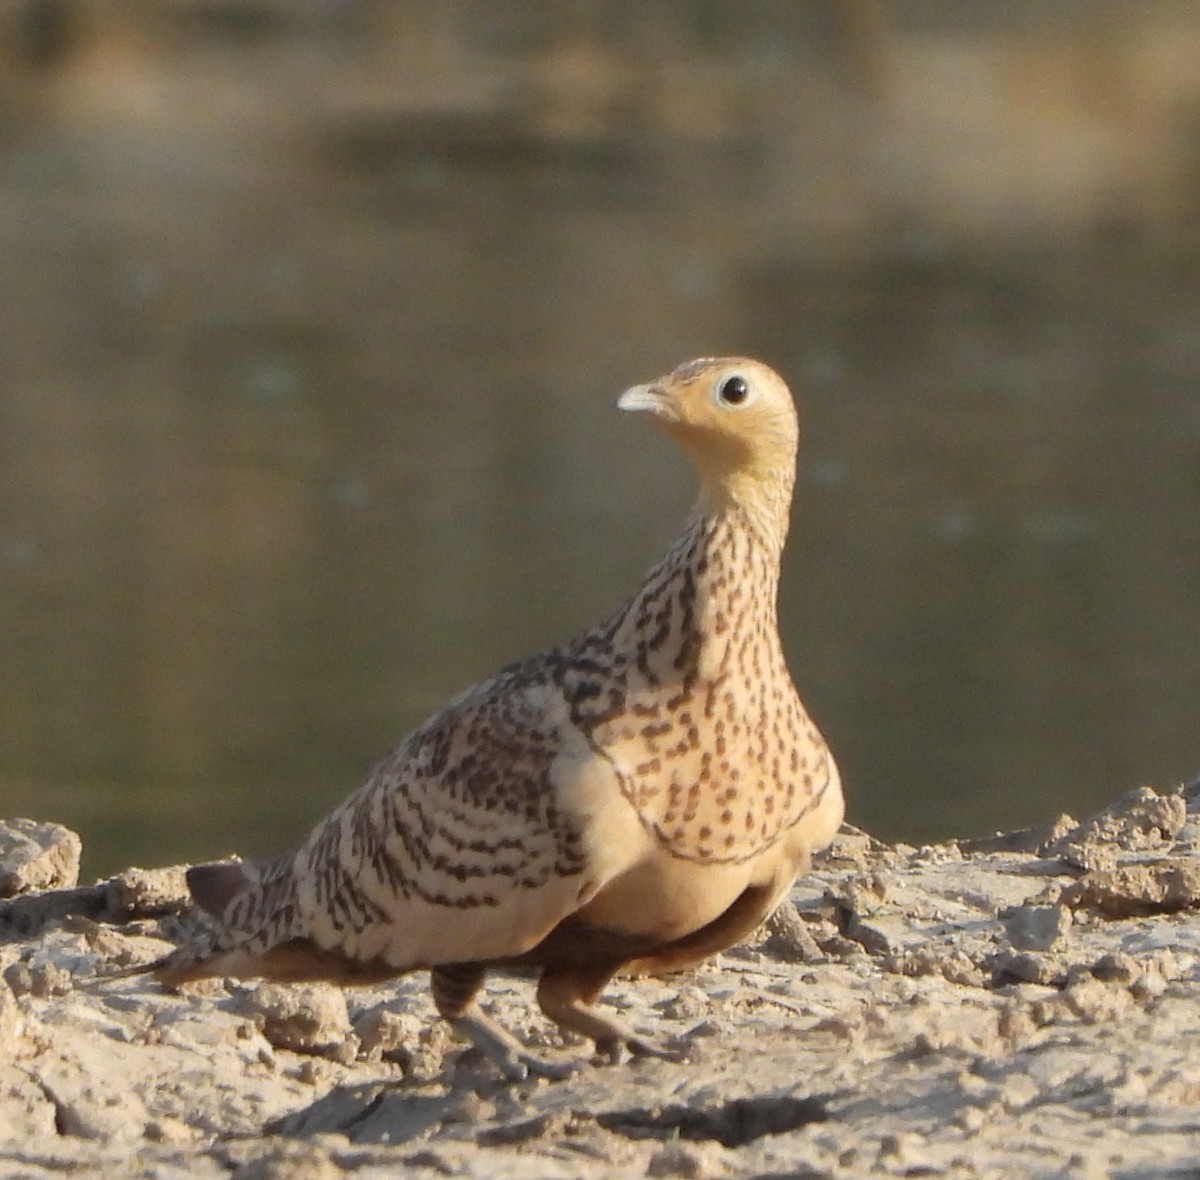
[634, 800]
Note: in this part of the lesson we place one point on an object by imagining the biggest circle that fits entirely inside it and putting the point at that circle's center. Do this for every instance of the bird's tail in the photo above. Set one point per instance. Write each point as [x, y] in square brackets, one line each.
[252, 928]
[254, 914]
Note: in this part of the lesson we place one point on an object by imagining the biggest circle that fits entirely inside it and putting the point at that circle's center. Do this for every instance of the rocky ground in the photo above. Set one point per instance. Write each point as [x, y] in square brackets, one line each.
[1025, 1005]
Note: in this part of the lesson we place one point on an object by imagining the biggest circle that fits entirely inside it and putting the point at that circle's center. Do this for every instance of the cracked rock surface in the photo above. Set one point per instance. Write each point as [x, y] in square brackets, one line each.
[1019, 1005]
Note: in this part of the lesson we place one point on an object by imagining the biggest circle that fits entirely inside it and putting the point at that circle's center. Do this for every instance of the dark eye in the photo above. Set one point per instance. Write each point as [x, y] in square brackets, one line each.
[734, 391]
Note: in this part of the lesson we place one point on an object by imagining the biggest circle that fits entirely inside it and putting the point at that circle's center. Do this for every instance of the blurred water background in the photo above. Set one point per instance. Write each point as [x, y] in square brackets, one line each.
[313, 314]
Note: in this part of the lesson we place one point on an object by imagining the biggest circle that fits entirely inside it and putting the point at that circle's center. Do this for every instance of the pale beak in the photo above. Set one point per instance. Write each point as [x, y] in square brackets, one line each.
[645, 397]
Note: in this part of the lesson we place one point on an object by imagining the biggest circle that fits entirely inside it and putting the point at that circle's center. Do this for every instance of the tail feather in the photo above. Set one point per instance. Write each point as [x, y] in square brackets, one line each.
[296, 961]
[151, 968]
[254, 904]
[215, 886]
[253, 929]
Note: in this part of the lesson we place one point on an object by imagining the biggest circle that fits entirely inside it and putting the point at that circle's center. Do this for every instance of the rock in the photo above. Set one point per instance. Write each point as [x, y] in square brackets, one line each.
[147, 893]
[37, 855]
[1116, 967]
[1000, 961]
[861, 893]
[1090, 857]
[169, 1130]
[1018, 1092]
[688, 1003]
[30, 913]
[1015, 1024]
[40, 979]
[904, 1151]
[1028, 967]
[856, 899]
[291, 1161]
[12, 1024]
[471, 1109]
[27, 1117]
[199, 1028]
[1137, 890]
[95, 1111]
[385, 1035]
[117, 949]
[1191, 794]
[1140, 820]
[1147, 987]
[308, 1018]
[1023, 840]
[789, 938]
[368, 1114]
[549, 1125]
[427, 1059]
[135, 893]
[1037, 927]
[853, 848]
[1095, 1002]
[952, 965]
[679, 1159]
[871, 936]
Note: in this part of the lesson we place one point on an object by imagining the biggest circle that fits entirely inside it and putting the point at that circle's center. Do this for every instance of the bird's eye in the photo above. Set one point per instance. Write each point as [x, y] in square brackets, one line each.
[733, 391]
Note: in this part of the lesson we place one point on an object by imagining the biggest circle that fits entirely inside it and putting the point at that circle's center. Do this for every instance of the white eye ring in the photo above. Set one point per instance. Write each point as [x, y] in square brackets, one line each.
[734, 392]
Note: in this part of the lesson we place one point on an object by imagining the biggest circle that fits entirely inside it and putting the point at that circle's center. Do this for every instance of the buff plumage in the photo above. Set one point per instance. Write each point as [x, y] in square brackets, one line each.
[634, 800]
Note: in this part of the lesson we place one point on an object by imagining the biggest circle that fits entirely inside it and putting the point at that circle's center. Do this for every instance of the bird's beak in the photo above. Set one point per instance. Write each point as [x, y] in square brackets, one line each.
[645, 397]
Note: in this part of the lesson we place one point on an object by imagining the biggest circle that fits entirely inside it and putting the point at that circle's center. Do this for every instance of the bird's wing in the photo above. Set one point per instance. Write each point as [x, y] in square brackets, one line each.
[488, 826]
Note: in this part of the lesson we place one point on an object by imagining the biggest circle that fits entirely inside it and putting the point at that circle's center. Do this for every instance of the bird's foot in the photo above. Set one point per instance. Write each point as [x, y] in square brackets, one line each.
[513, 1060]
[554, 1071]
[618, 1049]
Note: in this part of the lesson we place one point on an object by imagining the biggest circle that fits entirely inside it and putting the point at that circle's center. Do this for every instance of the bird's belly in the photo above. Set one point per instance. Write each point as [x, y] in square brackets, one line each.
[667, 897]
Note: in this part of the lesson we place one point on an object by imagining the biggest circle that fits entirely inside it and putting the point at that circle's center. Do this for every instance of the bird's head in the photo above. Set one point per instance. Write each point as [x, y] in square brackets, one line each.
[736, 419]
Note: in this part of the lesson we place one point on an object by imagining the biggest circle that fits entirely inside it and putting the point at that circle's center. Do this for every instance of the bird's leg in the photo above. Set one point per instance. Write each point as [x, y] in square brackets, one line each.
[454, 987]
[566, 994]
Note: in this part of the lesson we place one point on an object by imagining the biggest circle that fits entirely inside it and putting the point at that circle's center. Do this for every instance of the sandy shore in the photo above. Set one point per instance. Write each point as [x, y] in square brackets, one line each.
[1026, 1005]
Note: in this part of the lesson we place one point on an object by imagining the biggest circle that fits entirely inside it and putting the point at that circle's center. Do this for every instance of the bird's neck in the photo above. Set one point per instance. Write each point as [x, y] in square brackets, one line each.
[757, 503]
[704, 617]
[710, 600]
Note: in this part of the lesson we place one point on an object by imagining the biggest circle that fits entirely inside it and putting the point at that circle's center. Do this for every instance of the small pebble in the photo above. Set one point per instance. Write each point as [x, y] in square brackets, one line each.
[678, 1159]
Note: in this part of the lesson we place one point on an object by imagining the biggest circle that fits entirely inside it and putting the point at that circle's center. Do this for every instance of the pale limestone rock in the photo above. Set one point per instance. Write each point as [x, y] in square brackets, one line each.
[37, 855]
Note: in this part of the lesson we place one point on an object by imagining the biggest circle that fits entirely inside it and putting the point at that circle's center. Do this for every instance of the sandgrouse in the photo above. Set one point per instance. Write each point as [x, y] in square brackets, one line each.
[634, 800]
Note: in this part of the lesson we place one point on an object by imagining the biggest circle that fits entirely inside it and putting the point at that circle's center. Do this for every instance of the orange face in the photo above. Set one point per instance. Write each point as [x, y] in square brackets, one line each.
[733, 415]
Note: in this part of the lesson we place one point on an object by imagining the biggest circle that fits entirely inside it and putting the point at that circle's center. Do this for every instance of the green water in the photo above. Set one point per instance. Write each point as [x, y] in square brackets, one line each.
[302, 433]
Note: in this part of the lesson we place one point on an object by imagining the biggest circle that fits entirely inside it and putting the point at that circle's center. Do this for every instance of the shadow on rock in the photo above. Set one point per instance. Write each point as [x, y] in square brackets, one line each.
[373, 1113]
